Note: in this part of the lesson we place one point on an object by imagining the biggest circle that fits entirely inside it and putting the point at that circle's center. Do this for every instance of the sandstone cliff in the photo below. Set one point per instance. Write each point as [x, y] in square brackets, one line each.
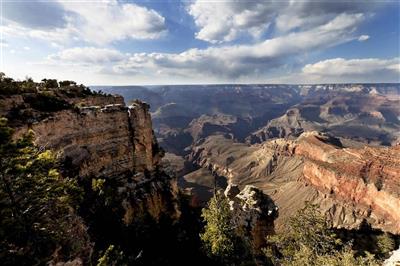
[351, 185]
[99, 137]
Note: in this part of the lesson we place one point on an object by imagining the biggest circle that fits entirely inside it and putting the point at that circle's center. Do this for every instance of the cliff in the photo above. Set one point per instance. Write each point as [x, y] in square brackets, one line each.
[98, 137]
[351, 185]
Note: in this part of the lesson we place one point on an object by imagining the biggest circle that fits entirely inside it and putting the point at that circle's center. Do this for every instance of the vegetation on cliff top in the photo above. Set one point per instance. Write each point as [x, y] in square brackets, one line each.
[25, 102]
[9, 86]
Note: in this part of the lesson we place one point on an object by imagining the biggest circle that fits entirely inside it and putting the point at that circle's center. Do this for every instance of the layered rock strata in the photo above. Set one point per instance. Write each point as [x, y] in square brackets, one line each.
[111, 142]
[351, 185]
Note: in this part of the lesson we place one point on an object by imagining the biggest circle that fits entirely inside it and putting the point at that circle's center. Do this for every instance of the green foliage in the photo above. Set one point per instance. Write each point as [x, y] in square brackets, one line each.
[46, 102]
[67, 83]
[222, 241]
[308, 240]
[219, 235]
[385, 244]
[38, 222]
[112, 257]
[98, 185]
[345, 257]
[65, 88]
[50, 83]
[8, 86]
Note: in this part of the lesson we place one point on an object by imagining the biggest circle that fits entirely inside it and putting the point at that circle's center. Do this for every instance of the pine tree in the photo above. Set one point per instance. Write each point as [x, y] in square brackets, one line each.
[219, 237]
[38, 222]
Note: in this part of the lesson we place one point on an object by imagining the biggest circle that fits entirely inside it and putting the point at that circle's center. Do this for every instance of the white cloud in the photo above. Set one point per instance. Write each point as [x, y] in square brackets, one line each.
[363, 38]
[308, 13]
[110, 21]
[368, 69]
[27, 48]
[224, 21]
[296, 28]
[221, 21]
[98, 22]
[87, 55]
[236, 61]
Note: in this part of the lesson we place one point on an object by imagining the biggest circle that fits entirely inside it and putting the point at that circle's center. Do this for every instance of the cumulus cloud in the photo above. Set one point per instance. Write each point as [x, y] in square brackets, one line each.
[363, 38]
[368, 69]
[223, 21]
[307, 14]
[112, 21]
[236, 61]
[87, 55]
[98, 22]
[295, 28]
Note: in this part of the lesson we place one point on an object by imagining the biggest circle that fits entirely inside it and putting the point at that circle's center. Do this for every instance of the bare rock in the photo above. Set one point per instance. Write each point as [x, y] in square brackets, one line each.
[394, 259]
[231, 191]
[350, 184]
[253, 215]
[113, 142]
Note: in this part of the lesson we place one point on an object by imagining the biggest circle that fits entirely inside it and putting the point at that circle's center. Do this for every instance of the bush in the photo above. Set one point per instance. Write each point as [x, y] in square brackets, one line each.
[50, 83]
[46, 102]
[221, 241]
[67, 83]
[38, 222]
[308, 240]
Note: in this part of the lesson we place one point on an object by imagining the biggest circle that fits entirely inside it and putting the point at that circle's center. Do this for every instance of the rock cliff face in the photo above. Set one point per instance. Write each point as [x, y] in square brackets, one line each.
[253, 213]
[351, 185]
[110, 141]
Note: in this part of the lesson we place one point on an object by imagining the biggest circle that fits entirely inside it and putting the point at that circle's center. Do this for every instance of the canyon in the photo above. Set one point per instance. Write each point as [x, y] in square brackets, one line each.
[147, 168]
[351, 185]
[332, 144]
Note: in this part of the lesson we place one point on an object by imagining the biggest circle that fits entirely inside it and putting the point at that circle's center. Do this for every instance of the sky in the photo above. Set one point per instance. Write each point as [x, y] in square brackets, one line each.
[112, 42]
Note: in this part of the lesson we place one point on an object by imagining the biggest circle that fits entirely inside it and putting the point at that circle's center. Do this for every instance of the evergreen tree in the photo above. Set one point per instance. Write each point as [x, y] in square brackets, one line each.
[219, 237]
[38, 222]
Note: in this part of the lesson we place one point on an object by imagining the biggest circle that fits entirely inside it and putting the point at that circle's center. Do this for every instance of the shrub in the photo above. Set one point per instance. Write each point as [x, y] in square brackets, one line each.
[308, 240]
[38, 222]
[221, 241]
[219, 235]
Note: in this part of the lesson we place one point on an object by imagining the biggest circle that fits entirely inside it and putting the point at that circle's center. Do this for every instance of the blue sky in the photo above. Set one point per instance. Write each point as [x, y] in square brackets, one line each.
[110, 42]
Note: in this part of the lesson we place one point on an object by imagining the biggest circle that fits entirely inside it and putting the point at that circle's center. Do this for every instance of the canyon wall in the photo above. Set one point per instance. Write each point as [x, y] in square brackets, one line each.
[101, 138]
[351, 185]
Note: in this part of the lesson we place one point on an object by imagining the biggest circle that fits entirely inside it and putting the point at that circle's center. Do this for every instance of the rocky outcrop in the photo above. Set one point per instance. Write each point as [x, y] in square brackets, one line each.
[253, 213]
[351, 185]
[115, 143]
[394, 259]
